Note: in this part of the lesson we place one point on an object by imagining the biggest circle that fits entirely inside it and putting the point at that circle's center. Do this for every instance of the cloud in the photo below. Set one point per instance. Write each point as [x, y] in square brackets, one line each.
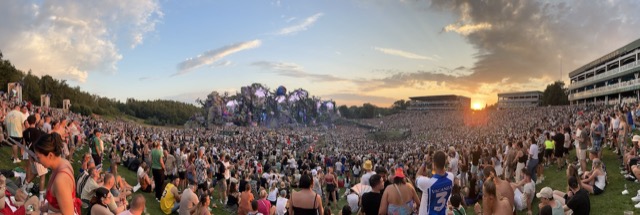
[521, 40]
[359, 99]
[295, 71]
[71, 39]
[221, 64]
[518, 43]
[467, 29]
[212, 56]
[302, 26]
[403, 54]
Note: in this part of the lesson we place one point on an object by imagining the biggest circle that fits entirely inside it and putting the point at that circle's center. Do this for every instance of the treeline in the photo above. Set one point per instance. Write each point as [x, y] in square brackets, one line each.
[156, 112]
[368, 111]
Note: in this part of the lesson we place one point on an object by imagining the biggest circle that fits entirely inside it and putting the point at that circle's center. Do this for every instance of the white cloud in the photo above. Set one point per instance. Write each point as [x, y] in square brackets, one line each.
[300, 26]
[467, 29]
[71, 39]
[212, 56]
[295, 71]
[404, 54]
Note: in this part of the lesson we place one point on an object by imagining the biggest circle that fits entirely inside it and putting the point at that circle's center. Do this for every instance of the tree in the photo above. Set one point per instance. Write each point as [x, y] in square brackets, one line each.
[367, 111]
[555, 94]
[400, 105]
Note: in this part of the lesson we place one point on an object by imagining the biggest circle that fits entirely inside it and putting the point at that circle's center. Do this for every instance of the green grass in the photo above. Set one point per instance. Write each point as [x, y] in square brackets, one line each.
[610, 202]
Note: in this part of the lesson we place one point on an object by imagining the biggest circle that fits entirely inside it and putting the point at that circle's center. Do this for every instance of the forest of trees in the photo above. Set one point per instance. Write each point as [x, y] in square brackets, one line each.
[156, 112]
[368, 111]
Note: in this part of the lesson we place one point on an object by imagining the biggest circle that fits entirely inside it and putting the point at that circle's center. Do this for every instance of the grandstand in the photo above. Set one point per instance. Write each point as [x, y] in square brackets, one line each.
[439, 102]
[610, 79]
[519, 99]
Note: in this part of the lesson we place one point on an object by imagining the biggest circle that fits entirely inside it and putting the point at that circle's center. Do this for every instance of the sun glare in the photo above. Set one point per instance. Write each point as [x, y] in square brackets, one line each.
[476, 106]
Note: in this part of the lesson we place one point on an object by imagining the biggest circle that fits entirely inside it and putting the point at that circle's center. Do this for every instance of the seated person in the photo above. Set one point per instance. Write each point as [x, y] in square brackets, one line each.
[524, 192]
[100, 201]
[146, 184]
[572, 171]
[170, 201]
[87, 162]
[124, 189]
[17, 204]
[546, 199]
[456, 207]
[93, 182]
[594, 181]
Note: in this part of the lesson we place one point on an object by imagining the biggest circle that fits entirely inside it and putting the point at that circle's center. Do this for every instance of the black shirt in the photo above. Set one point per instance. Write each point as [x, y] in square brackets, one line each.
[559, 138]
[371, 203]
[31, 135]
[580, 203]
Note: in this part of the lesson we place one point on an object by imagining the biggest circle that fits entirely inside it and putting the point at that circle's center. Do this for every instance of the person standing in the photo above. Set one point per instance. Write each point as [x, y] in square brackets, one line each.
[370, 202]
[60, 195]
[437, 189]
[97, 147]
[157, 169]
[14, 122]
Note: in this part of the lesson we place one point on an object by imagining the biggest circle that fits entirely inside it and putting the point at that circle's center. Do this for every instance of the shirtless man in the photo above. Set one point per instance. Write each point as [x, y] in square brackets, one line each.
[502, 186]
[492, 202]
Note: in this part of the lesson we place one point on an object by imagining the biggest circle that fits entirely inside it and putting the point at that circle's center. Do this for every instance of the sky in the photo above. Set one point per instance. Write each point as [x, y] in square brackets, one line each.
[351, 51]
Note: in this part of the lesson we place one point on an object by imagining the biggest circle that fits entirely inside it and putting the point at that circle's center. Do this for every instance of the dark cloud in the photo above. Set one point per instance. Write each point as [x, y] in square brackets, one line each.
[520, 40]
[294, 71]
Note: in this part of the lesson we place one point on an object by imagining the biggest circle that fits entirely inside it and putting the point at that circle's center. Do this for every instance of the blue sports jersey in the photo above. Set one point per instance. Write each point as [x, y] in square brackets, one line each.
[435, 193]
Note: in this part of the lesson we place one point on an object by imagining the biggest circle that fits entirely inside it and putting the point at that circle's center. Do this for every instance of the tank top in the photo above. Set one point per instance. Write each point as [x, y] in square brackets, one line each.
[53, 202]
[311, 211]
[522, 159]
[167, 200]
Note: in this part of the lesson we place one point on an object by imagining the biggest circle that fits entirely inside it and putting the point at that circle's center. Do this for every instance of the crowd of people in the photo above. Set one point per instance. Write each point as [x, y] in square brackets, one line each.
[446, 165]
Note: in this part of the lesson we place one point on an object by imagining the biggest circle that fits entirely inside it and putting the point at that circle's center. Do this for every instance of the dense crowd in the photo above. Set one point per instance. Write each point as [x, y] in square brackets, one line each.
[443, 167]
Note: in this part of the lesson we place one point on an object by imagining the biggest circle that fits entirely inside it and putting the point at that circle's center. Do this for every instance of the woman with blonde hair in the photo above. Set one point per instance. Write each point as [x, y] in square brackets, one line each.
[594, 181]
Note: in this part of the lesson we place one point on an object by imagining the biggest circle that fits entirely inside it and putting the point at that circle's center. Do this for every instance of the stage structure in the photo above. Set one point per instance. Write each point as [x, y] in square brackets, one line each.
[66, 104]
[45, 100]
[14, 89]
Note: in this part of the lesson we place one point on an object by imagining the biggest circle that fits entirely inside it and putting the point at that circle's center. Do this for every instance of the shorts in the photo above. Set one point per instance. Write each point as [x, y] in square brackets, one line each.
[202, 186]
[566, 151]
[581, 154]
[17, 139]
[597, 145]
[331, 188]
[597, 190]
[559, 152]
[548, 153]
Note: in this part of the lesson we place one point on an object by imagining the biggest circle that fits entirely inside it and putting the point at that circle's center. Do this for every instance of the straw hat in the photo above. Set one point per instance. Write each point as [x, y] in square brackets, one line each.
[367, 165]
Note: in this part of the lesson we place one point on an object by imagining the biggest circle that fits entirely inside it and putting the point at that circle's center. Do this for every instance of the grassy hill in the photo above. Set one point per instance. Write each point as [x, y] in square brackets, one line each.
[610, 202]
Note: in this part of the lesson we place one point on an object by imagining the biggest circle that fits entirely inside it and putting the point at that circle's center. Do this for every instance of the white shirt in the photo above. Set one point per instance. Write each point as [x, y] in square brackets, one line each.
[533, 151]
[273, 195]
[353, 199]
[365, 178]
[281, 205]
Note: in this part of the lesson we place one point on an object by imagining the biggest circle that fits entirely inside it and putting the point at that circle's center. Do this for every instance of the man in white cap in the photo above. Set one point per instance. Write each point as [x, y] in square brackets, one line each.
[546, 198]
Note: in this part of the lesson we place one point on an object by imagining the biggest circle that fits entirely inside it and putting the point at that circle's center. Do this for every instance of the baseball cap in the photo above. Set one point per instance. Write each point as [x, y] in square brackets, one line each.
[546, 193]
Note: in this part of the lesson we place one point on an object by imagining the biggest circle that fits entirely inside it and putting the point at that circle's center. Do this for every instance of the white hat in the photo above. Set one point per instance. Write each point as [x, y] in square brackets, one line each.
[635, 138]
[314, 172]
[546, 193]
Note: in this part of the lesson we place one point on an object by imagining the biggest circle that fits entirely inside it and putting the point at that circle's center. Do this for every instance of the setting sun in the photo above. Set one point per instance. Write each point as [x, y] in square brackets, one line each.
[476, 106]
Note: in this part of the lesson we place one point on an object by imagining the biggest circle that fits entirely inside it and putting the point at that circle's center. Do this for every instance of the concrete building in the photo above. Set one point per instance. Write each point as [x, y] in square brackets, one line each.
[519, 99]
[610, 79]
[440, 102]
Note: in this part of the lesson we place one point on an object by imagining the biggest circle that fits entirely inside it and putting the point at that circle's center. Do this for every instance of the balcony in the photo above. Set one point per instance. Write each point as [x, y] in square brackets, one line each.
[606, 90]
[608, 74]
